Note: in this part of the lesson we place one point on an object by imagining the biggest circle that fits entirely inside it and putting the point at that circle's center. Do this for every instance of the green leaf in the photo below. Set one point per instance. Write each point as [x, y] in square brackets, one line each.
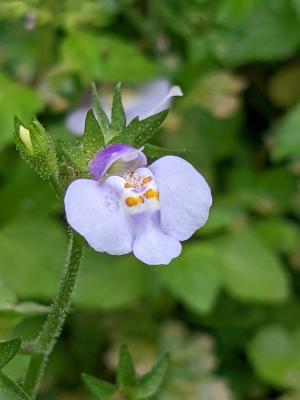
[266, 192]
[26, 252]
[145, 129]
[284, 86]
[7, 350]
[153, 151]
[149, 384]
[31, 256]
[103, 275]
[25, 309]
[125, 372]
[204, 137]
[274, 353]
[225, 215]
[25, 194]
[15, 99]
[278, 234]
[10, 390]
[74, 153]
[194, 277]
[112, 67]
[101, 57]
[272, 24]
[118, 117]
[100, 114]
[287, 136]
[234, 10]
[251, 271]
[139, 132]
[101, 389]
[93, 139]
[80, 53]
[11, 314]
[296, 6]
[7, 297]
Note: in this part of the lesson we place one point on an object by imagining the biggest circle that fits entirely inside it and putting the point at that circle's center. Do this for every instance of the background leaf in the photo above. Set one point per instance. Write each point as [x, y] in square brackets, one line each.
[194, 283]
[27, 268]
[287, 139]
[15, 99]
[103, 275]
[102, 390]
[149, 384]
[96, 57]
[10, 391]
[251, 271]
[275, 355]
[7, 350]
[273, 24]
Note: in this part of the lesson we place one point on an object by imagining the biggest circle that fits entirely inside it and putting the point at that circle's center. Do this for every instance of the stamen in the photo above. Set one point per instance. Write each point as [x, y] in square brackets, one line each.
[129, 175]
[140, 191]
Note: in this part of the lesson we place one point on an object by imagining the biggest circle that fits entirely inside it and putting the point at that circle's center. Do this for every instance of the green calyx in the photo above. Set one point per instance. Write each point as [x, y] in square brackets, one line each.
[65, 160]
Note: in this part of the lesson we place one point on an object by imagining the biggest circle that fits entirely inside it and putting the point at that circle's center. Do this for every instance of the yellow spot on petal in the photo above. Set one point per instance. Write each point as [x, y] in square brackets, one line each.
[146, 180]
[151, 194]
[134, 201]
[128, 185]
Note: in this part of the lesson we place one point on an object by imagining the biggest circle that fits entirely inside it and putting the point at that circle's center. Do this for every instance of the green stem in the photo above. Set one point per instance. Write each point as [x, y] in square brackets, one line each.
[56, 185]
[56, 318]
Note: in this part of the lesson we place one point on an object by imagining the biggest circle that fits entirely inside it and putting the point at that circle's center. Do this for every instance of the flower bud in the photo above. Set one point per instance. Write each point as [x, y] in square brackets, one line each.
[24, 135]
[36, 147]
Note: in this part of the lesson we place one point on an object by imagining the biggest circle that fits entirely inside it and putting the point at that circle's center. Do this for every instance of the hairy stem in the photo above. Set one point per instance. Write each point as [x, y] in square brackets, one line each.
[56, 185]
[56, 317]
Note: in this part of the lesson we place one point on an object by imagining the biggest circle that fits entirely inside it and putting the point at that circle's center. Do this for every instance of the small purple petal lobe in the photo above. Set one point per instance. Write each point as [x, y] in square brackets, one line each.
[185, 197]
[116, 159]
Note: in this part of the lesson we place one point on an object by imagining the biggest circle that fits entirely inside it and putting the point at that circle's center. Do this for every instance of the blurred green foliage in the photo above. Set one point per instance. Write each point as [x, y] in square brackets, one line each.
[228, 309]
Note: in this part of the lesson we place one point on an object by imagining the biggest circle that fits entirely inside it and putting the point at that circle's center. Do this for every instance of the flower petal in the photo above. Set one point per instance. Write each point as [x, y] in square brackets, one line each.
[76, 120]
[152, 98]
[151, 245]
[116, 159]
[95, 211]
[185, 197]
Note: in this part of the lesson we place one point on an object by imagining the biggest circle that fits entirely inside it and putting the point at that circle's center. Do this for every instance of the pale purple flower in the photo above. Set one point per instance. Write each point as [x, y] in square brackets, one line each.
[150, 99]
[30, 21]
[129, 207]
